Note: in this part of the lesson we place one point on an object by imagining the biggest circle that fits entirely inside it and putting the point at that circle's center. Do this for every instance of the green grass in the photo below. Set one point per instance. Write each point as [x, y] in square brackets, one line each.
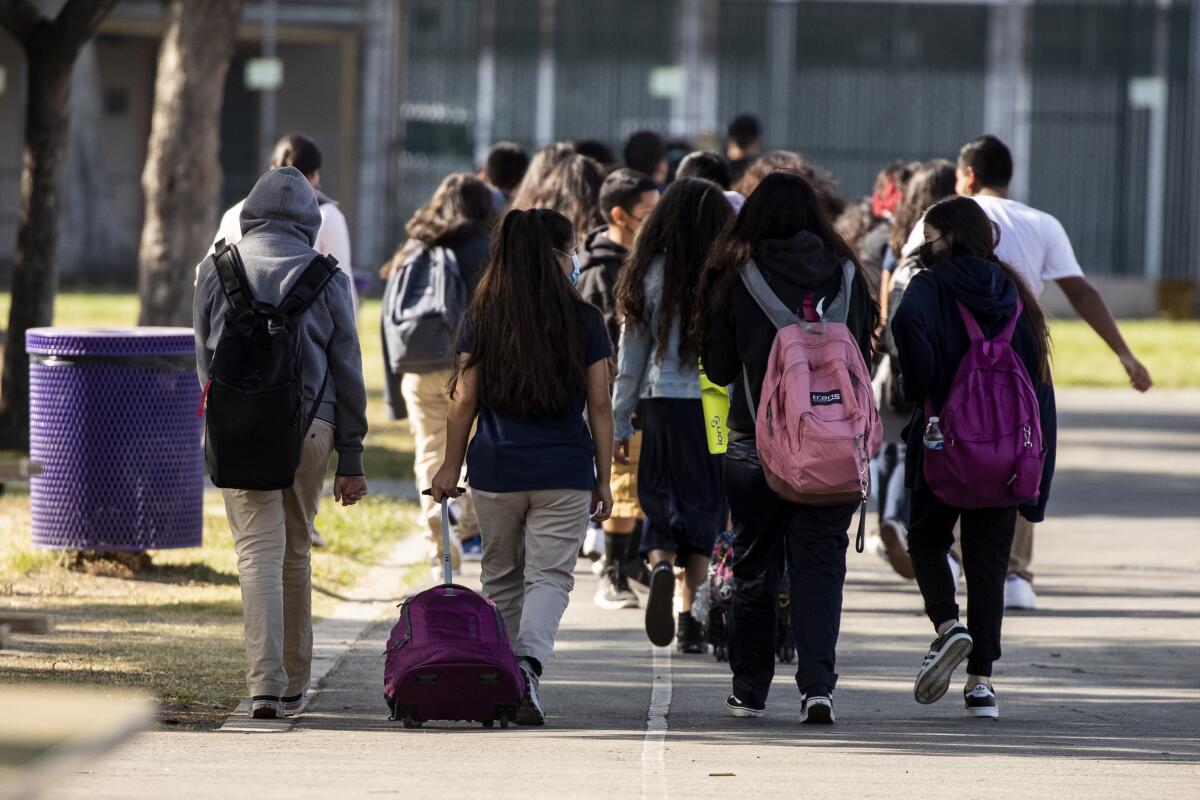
[1170, 350]
[174, 629]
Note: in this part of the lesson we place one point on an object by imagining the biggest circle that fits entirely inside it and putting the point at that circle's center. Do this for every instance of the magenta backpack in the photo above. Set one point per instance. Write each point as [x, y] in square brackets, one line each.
[448, 657]
[992, 456]
[816, 427]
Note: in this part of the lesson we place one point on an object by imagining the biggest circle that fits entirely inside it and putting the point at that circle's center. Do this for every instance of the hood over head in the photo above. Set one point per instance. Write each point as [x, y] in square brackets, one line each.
[979, 284]
[599, 250]
[802, 260]
[282, 204]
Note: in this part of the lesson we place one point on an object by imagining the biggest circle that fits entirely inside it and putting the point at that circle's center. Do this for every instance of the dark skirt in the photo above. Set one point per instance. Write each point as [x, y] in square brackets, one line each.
[679, 482]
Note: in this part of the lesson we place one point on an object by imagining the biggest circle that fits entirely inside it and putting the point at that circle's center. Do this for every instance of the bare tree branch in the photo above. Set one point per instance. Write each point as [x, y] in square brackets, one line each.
[21, 19]
[76, 22]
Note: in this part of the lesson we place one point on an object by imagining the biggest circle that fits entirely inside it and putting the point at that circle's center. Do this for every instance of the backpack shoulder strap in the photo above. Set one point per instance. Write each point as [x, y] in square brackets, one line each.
[839, 309]
[779, 314]
[1010, 327]
[232, 274]
[308, 287]
[969, 321]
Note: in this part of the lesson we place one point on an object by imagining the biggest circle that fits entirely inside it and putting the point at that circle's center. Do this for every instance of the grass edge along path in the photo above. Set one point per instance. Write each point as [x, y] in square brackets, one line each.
[173, 630]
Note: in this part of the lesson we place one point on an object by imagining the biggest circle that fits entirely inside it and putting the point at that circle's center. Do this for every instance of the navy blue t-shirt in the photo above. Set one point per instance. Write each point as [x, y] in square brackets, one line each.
[510, 453]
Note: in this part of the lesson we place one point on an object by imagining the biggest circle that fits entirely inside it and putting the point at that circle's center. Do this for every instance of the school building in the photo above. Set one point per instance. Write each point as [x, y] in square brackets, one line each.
[1099, 100]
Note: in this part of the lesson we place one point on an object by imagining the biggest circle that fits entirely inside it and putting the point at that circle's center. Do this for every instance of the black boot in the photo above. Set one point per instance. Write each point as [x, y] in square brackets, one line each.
[633, 566]
[690, 634]
[613, 591]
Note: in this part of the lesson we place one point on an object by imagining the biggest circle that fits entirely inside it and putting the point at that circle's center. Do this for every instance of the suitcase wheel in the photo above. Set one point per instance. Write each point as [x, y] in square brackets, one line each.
[411, 721]
[489, 723]
[504, 722]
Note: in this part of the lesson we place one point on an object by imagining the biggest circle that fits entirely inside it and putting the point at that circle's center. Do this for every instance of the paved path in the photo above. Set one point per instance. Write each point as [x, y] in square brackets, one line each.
[1099, 689]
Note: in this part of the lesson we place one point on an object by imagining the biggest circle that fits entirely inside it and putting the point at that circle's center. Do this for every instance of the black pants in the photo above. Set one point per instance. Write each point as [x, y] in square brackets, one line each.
[987, 536]
[769, 533]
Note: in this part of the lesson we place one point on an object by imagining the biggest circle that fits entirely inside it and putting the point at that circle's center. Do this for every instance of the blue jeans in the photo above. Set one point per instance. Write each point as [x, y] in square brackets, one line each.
[889, 471]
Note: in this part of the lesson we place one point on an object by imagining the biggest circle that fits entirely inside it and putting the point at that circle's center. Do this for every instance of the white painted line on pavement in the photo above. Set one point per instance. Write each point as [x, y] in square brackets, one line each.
[654, 766]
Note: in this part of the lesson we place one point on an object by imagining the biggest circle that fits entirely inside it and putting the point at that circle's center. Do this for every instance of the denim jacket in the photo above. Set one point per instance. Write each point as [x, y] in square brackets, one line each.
[640, 374]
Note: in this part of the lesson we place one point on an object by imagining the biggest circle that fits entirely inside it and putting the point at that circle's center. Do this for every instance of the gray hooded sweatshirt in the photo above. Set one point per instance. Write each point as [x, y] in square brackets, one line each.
[279, 220]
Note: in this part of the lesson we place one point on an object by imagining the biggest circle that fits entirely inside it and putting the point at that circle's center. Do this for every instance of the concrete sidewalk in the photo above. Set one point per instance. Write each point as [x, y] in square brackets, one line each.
[1099, 689]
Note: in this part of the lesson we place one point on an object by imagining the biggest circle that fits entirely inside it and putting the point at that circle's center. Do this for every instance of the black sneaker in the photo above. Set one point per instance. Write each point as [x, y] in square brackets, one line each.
[945, 654]
[981, 701]
[265, 706]
[690, 634]
[613, 592]
[660, 606]
[816, 708]
[638, 572]
[530, 711]
[737, 708]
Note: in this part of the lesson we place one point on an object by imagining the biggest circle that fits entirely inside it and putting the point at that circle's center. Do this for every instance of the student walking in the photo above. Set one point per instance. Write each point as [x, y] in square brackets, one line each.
[678, 481]
[272, 529]
[965, 299]
[450, 233]
[626, 199]
[533, 360]
[1034, 244]
[930, 182]
[784, 230]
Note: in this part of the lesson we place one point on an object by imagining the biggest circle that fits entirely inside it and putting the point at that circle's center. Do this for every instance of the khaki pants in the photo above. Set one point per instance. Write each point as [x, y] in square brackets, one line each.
[1021, 557]
[272, 537]
[531, 542]
[428, 406]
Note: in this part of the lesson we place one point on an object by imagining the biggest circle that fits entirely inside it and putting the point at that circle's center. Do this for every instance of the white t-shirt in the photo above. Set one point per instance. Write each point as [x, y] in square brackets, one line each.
[1031, 241]
[333, 238]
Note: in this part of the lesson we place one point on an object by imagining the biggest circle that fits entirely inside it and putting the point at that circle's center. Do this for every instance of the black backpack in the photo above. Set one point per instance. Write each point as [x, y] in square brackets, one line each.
[256, 422]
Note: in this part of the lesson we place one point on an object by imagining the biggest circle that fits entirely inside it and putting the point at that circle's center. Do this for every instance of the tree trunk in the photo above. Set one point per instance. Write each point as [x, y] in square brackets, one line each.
[34, 278]
[182, 176]
[50, 47]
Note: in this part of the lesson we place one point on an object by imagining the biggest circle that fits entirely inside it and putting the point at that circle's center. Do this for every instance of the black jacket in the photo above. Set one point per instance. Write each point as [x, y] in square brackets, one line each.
[471, 245]
[741, 335]
[601, 262]
[932, 341]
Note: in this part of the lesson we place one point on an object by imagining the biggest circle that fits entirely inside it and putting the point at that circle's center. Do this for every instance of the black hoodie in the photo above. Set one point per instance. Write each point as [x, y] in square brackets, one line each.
[601, 262]
[742, 335]
[932, 341]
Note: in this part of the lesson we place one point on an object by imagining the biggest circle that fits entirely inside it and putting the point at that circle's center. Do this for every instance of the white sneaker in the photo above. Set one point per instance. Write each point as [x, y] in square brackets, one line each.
[593, 544]
[1019, 594]
[956, 569]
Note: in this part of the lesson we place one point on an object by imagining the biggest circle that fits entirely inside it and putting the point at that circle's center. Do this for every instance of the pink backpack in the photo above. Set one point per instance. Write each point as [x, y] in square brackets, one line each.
[991, 426]
[817, 427]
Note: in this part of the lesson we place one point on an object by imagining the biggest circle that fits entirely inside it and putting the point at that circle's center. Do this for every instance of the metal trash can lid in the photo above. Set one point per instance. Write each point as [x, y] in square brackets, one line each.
[110, 342]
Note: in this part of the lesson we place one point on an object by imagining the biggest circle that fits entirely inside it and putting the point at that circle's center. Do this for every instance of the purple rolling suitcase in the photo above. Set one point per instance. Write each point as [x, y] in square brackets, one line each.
[448, 657]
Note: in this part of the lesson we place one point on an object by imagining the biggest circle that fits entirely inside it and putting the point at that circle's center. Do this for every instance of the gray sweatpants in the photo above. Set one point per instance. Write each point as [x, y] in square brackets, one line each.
[531, 541]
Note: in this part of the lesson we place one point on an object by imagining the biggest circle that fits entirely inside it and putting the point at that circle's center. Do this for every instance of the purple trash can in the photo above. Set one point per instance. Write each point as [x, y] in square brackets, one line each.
[113, 421]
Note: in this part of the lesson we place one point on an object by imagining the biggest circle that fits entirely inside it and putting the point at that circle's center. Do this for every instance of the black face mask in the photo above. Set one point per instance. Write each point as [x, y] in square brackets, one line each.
[926, 255]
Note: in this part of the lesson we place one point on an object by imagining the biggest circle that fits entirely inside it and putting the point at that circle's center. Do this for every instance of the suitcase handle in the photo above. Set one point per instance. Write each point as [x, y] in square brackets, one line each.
[447, 564]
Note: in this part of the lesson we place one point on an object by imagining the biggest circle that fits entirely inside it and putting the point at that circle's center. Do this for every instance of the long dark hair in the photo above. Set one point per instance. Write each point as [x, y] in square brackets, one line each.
[571, 187]
[932, 181]
[682, 229]
[782, 206]
[969, 231]
[460, 207]
[527, 335]
[462, 200]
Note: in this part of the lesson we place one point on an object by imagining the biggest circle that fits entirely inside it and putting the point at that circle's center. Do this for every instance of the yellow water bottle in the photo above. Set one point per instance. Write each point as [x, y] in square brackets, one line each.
[715, 401]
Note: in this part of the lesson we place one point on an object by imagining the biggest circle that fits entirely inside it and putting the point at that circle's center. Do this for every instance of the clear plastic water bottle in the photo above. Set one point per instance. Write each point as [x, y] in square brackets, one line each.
[933, 435]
